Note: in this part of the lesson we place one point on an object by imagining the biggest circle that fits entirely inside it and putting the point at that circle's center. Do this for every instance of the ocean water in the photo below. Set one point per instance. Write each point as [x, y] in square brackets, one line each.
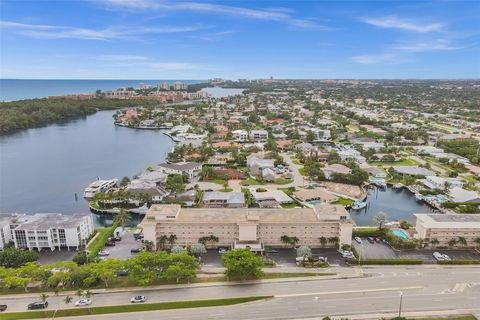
[16, 89]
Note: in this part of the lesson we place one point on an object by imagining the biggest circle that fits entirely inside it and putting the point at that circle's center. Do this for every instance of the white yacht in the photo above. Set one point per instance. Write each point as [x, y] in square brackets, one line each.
[99, 186]
[359, 205]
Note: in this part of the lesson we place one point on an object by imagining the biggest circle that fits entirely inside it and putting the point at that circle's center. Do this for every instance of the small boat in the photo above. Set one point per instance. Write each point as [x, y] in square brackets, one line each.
[99, 186]
[359, 205]
[397, 186]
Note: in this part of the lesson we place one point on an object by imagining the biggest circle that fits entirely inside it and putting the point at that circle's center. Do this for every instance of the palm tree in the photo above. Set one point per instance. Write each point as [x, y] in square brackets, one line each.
[67, 300]
[79, 293]
[294, 241]
[334, 241]
[171, 239]
[434, 242]
[477, 241]
[452, 242]
[88, 294]
[380, 219]
[323, 241]
[123, 217]
[43, 297]
[162, 241]
[462, 241]
[286, 239]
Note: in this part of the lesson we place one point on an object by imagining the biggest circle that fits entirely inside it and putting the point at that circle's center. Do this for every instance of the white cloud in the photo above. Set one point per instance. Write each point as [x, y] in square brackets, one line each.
[283, 15]
[438, 45]
[66, 32]
[122, 57]
[393, 22]
[379, 58]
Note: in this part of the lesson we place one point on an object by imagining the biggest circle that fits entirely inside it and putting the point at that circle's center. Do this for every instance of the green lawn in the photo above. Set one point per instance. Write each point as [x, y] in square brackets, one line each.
[302, 171]
[250, 181]
[217, 181]
[226, 190]
[406, 162]
[343, 202]
[283, 181]
[289, 205]
[465, 317]
[130, 308]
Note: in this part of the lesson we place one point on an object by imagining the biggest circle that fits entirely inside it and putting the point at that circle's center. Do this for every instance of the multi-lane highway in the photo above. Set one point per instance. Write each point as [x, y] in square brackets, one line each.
[424, 289]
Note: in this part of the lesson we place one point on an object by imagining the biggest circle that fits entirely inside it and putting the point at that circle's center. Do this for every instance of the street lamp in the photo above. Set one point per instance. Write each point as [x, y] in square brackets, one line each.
[400, 306]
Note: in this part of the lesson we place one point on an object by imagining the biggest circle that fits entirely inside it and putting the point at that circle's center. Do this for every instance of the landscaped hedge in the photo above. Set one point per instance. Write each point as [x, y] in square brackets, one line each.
[99, 243]
[353, 261]
[448, 204]
[367, 232]
[459, 262]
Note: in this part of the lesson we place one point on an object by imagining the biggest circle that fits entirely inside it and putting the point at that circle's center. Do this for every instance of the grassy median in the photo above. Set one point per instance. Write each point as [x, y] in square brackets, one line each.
[85, 311]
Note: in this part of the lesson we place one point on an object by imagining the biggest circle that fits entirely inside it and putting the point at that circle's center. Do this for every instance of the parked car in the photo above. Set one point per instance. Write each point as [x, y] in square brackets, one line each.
[438, 256]
[222, 250]
[136, 250]
[272, 251]
[118, 238]
[104, 253]
[138, 299]
[347, 254]
[358, 239]
[38, 305]
[110, 243]
[446, 257]
[371, 240]
[322, 259]
[83, 302]
[378, 240]
[3, 307]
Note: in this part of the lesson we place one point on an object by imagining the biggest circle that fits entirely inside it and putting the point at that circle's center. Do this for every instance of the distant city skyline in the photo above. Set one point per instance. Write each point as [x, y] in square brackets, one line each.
[154, 39]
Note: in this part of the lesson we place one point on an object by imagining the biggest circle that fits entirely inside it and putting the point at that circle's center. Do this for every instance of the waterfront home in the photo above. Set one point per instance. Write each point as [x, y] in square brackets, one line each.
[373, 171]
[457, 194]
[317, 195]
[270, 198]
[49, 230]
[434, 182]
[335, 168]
[412, 171]
[216, 199]
[191, 169]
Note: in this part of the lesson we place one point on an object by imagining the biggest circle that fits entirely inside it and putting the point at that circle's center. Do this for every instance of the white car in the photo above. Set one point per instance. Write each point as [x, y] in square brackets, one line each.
[83, 302]
[348, 254]
[358, 239]
[138, 299]
[446, 257]
[222, 250]
[438, 256]
[104, 253]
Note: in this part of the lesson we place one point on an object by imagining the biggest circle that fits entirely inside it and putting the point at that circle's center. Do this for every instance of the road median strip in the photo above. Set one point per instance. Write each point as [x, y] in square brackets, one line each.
[130, 308]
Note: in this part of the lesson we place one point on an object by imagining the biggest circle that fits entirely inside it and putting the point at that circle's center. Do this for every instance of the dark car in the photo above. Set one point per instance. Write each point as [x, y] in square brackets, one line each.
[3, 307]
[118, 238]
[370, 239]
[110, 243]
[136, 250]
[272, 251]
[38, 305]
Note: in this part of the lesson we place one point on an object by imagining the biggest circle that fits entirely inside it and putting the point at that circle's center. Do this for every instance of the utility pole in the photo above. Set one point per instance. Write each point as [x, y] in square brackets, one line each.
[400, 307]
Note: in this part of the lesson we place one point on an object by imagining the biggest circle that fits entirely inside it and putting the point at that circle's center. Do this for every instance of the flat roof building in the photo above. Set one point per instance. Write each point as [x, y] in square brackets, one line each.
[255, 227]
[50, 230]
[445, 227]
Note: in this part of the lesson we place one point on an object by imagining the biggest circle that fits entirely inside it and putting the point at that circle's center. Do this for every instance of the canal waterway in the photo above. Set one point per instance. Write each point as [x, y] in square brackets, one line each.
[395, 204]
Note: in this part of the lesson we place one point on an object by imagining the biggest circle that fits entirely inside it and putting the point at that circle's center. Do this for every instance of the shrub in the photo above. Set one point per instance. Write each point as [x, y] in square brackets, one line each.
[459, 262]
[367, 232]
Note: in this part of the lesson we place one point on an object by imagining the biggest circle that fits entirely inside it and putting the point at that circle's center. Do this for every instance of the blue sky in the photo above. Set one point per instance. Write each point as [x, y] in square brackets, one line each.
[155, 39]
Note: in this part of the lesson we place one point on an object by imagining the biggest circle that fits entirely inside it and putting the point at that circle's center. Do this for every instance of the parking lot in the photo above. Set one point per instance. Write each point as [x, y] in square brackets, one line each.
[368, 250]
[122, 248]
[283, 258]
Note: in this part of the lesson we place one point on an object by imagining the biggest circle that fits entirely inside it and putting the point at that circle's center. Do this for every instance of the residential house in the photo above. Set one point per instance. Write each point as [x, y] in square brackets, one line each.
[335, 168]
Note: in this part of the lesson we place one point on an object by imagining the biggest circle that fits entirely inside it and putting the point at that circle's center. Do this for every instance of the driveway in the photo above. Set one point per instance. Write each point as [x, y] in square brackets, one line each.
[368, 250]
[122, 248]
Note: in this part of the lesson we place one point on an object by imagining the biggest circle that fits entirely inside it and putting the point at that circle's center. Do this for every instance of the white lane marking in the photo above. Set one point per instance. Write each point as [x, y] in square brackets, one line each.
[343, 292]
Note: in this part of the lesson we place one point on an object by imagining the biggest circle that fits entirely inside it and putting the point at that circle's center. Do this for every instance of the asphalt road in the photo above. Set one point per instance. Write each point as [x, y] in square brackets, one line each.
[424, 288]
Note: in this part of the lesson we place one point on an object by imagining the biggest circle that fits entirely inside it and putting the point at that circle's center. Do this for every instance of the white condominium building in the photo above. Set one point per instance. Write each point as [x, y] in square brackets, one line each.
[50, 230]
[445, 227]
[237, 227]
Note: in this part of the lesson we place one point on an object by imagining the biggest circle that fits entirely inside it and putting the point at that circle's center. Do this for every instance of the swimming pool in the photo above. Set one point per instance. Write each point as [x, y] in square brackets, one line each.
[400, 233]
[315, 202]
